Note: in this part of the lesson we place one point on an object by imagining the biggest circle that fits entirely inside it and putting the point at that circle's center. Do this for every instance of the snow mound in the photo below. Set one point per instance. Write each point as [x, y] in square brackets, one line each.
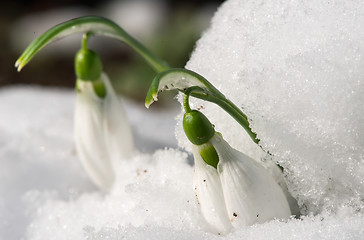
[296, 68]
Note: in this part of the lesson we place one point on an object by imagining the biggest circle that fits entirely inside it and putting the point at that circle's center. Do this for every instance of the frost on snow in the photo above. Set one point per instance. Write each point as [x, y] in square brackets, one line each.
[295, 67]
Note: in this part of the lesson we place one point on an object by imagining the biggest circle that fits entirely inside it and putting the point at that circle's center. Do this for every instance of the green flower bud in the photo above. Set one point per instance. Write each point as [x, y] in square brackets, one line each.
[88, 65]
[99, 88]
[209, 154]
[198, 128]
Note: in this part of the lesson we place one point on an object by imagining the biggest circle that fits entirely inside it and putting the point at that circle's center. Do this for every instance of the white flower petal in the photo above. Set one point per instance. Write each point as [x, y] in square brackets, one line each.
[102, 133]
[251, 193]
[118, 135]
[209, 194]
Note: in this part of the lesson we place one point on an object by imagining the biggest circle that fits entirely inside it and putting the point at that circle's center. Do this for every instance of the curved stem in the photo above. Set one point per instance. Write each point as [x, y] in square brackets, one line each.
[85, 40]
[186, 96]
[186, 104]
[92, 25]
[231, 109]
[239, 116]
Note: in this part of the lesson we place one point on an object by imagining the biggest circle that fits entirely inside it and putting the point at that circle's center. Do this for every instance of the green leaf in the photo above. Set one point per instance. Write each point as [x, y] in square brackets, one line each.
[178, 79]
[95, 26]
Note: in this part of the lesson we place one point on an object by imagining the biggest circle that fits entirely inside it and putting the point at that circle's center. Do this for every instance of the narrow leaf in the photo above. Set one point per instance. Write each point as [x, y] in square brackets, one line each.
[177, 79]
[94, 25]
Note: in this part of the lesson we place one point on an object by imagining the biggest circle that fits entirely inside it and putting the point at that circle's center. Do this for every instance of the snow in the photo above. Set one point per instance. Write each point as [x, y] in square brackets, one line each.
[295, 67]
[38, 162]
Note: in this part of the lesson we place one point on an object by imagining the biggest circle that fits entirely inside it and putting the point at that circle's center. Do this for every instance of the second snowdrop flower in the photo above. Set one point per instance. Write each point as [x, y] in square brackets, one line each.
[232, 189]
[102, 133]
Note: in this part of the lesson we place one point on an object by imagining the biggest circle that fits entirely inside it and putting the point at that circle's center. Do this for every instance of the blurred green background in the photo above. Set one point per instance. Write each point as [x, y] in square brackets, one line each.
[170, 29]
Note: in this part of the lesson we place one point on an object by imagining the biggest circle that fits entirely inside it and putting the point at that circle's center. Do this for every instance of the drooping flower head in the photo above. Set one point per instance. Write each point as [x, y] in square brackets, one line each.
[103, 135]
[232, 189]
[102, 132]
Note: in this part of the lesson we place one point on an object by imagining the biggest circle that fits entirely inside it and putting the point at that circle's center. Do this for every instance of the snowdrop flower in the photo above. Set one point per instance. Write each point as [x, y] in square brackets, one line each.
[102, 133]
[232, 189]
[208, 188]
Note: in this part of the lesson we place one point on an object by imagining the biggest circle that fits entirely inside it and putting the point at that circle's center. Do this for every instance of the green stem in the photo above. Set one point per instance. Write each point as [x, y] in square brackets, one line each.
[239, 116]
[91, 25]
[186, 104]
[186, 97]
[231, 109]
[85, 40]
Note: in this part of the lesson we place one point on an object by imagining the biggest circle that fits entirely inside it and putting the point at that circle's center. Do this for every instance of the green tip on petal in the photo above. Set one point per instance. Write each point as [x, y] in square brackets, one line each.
[209, 154]
[99, 88]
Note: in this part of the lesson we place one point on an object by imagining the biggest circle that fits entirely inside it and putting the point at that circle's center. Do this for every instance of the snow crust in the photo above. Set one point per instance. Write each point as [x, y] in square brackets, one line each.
[295, 67]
